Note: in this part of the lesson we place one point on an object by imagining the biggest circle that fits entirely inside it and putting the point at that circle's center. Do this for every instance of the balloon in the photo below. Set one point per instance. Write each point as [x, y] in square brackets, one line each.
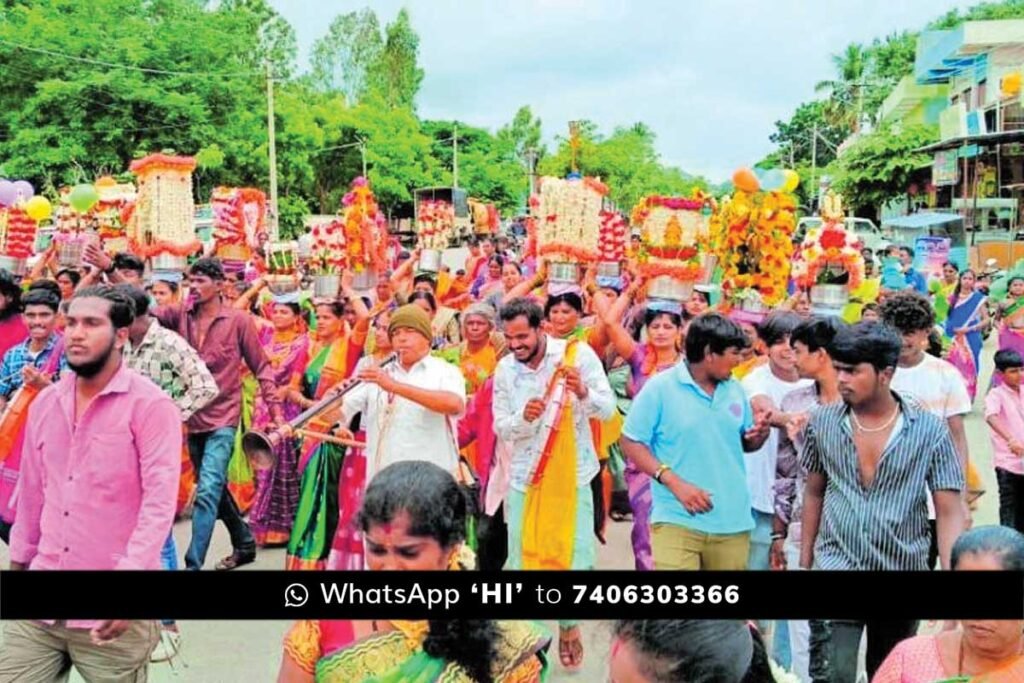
[773, 180]
[792, 180]
[25, 191]
[744, 179]
[83, 197]
[38, 208]
[8, 193]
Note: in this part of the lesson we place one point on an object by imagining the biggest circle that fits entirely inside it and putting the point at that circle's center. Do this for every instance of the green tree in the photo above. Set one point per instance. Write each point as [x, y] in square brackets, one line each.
[878, 166]
[797, 135]
[626, 161]
[342, 58]
[844, 94]
[521, 135]
[395, 76]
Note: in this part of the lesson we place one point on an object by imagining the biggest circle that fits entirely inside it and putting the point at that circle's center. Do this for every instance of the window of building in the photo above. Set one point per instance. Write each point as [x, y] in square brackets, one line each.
[982, 86]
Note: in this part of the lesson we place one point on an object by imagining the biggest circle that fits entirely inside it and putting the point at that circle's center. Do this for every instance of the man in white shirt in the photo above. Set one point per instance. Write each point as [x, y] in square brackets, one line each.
[408, 408]
[533, 385]
[766, 386]
[933, 383]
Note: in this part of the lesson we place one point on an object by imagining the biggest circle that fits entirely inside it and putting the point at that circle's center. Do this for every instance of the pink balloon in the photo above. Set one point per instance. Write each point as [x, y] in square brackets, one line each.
[24, 190]
[8, 193]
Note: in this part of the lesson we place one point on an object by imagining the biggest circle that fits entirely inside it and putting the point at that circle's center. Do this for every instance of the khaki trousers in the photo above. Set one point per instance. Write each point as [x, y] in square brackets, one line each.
[34, 652]
[677, 547]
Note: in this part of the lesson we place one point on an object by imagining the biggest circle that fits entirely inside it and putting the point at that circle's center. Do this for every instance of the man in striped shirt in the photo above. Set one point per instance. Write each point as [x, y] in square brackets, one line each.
[869, 460]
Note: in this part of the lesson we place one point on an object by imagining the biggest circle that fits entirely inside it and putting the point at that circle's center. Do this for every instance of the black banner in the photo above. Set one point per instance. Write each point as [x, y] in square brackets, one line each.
[511, 595]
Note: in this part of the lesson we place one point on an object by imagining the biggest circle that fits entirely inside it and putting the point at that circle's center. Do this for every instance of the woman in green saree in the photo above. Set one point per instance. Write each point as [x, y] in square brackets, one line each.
[333, 355]
[414, 518]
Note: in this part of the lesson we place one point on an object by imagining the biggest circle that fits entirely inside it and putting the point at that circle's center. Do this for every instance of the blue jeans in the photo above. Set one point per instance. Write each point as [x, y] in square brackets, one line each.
[210, 453]
[169, 554]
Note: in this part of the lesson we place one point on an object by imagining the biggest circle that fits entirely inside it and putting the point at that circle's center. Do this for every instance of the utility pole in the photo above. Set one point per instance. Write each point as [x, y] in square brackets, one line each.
[814, 165]
[531, 164]
[455, 155]
[272, 146]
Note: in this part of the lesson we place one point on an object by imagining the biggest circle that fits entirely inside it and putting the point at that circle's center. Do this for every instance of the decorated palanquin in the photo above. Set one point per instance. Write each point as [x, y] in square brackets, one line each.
[675, 253]
[239, 218]
[162, 226]
[752, 234]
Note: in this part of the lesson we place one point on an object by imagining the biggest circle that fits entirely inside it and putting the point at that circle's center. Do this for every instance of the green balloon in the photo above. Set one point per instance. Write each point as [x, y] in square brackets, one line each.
[83, 197]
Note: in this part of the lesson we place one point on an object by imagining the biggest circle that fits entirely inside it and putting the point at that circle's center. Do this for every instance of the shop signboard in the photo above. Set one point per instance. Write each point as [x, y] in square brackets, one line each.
[945, 169]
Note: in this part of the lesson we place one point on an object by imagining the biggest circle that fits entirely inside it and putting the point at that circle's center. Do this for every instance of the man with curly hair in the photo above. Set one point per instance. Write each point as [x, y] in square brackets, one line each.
[933, 382]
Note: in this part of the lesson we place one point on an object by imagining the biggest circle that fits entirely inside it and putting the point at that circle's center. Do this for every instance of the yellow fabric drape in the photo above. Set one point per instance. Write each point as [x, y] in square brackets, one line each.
[549, 512]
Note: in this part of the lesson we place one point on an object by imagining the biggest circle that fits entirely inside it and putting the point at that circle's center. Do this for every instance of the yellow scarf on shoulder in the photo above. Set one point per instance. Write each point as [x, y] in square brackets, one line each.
[549, 513]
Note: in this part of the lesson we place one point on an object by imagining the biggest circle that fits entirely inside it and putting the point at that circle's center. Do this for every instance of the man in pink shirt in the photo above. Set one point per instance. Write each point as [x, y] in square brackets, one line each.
[99, 483]
[1004, 412]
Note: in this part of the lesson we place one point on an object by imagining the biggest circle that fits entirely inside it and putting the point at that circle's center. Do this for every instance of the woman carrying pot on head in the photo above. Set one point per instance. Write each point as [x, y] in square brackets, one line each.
[663, 322]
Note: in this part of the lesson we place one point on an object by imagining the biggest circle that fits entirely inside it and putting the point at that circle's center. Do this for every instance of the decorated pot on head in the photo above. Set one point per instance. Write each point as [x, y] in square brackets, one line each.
[430, 261]
[568, 215]
[674, 254]
[326, 286]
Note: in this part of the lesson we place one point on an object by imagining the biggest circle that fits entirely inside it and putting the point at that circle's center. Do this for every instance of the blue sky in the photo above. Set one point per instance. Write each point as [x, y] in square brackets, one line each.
[710, 78]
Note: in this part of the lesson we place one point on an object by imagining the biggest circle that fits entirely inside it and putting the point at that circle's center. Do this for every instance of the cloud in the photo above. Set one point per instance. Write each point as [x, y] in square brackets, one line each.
[710, 78]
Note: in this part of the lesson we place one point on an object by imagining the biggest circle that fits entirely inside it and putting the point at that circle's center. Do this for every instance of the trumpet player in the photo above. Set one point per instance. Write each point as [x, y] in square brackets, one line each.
[408, 408]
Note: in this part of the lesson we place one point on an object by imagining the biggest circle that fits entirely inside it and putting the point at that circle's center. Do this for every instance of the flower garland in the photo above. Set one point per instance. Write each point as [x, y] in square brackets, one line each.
[569, 215]
[752, 234]
[162, 222]
[822, 251]
[611, 241]
[239, 215]
[357, 240]
[674, 235]
[486, 220]
[17, 233]
[435, 224]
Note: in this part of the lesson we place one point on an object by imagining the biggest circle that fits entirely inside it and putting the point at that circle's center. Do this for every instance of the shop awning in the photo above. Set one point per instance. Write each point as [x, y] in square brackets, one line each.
[1003, 138]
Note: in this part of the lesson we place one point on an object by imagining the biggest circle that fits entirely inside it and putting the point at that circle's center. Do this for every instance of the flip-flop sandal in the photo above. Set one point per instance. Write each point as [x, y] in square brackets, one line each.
[234, 561]
[570, 649]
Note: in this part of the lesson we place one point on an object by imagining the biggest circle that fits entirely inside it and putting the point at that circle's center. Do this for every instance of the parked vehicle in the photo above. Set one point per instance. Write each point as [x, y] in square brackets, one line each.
[863, 228]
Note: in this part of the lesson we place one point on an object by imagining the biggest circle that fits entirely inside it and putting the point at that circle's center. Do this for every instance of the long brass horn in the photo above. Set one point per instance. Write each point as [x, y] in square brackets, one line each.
[259, 446]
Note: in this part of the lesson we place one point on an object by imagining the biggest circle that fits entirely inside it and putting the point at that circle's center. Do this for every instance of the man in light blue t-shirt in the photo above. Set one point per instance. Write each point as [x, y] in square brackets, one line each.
[688, 429]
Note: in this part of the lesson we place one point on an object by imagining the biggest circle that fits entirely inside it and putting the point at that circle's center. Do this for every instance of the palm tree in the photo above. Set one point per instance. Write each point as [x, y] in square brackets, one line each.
[845, 93]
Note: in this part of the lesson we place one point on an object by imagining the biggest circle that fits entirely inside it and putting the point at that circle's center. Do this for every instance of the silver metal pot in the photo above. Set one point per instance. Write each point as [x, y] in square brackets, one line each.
[430, 261]
[326, 286]
[13, 265]
[665, 287]
[709, 264]
[282, 284]
[169, 262]
[609, 269]
[563, 272]
[830, 296]
[364, 279]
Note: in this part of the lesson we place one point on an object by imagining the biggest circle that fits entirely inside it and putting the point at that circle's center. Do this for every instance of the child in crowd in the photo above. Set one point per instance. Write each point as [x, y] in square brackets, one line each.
[1004, 412]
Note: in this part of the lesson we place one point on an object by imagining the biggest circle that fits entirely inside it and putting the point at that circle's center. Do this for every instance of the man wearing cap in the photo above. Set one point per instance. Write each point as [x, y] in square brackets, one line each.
[408, 407]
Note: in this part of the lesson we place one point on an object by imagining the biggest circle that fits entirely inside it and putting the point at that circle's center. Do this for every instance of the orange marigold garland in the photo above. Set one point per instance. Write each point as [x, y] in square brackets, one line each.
[752, 234]
[357, 240]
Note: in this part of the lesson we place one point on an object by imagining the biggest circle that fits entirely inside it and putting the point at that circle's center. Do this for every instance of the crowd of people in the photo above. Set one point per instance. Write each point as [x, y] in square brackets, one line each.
[490, 419]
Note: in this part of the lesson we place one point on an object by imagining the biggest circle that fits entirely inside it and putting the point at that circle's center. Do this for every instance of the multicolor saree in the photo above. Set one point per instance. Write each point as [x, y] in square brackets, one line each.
[1011, 332]
[330, 651]
[320, 463]
[965, 353]
[277, 489]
